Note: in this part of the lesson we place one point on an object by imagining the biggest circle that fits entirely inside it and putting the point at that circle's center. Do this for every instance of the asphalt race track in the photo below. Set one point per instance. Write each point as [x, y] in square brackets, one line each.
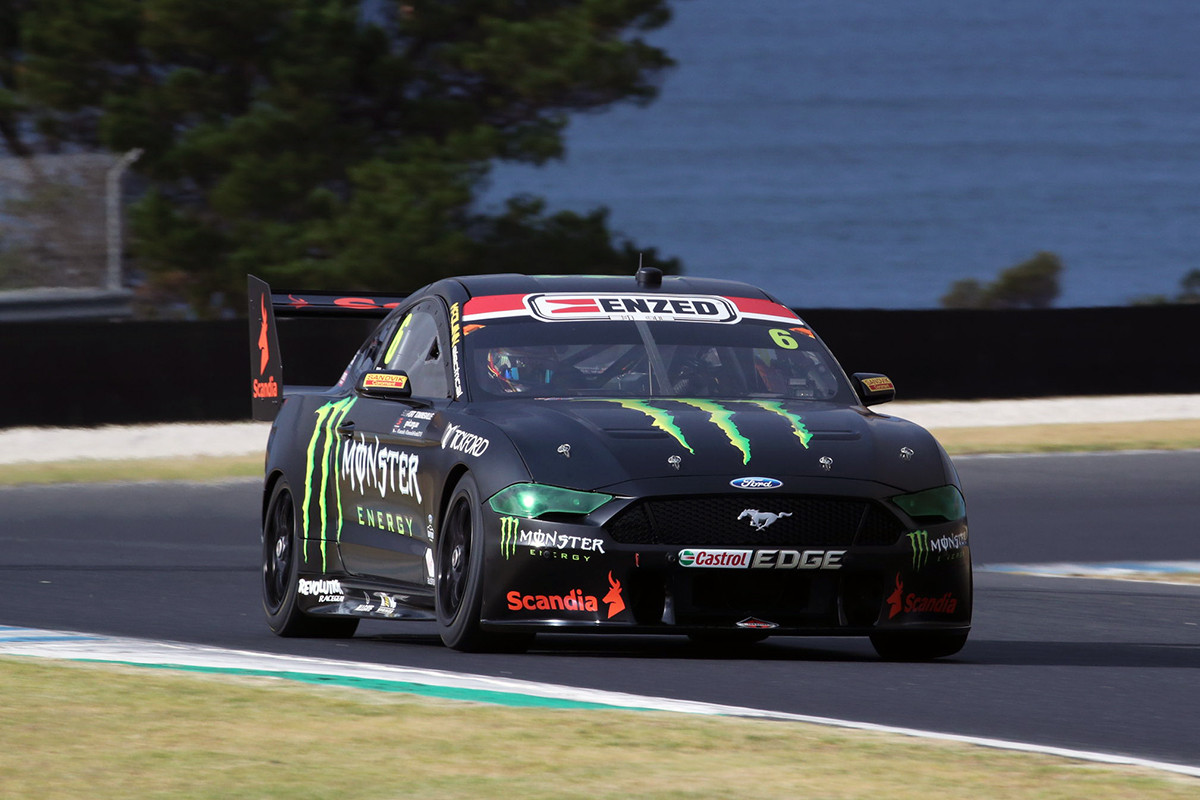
[1086, 664]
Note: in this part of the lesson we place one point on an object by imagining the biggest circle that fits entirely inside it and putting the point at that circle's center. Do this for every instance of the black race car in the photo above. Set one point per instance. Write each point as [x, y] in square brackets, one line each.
[510, 454]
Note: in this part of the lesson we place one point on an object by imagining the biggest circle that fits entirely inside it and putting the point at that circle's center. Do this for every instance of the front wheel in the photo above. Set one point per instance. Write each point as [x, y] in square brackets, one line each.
[460, 560]
[281, 557]
[917, 645]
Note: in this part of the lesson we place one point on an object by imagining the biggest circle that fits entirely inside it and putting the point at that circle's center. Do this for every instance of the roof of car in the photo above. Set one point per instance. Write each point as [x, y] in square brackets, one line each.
[481, 285]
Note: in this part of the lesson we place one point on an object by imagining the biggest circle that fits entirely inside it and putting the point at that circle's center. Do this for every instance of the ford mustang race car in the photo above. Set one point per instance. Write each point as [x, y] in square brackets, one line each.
[508, 455]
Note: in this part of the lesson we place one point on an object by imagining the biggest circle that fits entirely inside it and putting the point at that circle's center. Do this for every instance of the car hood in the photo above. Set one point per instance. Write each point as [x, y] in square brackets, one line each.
[602, 443]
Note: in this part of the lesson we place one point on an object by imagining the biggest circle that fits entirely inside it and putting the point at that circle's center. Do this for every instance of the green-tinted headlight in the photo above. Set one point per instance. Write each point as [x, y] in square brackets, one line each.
[944, 503]
[535, 499]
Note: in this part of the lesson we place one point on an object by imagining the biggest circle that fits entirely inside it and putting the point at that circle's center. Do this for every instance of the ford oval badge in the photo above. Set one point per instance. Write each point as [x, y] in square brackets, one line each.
[756, 483]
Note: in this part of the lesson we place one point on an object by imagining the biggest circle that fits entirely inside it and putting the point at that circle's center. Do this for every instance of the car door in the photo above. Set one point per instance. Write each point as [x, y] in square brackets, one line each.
[387, 471]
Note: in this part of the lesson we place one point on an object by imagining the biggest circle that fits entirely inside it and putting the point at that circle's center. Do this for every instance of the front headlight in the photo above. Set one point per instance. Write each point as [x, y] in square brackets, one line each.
[535, 499]
[943, 504]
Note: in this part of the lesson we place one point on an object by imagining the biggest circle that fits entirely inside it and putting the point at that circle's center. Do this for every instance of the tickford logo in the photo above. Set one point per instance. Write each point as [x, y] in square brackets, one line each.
[456, 438]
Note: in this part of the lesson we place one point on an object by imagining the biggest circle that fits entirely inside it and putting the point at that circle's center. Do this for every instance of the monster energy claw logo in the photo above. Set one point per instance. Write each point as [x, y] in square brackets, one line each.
[946, 547]
[508, 536]
[321, 464]
[919, 542]
[720, 415]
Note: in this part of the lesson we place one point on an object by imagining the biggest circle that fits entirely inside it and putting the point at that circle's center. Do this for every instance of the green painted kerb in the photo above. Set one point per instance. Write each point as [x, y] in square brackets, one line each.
[512, 699]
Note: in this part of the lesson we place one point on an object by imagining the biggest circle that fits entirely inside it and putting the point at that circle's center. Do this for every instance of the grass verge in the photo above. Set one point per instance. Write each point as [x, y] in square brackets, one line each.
[1157, 435]
[134, 469]
[1080, 437]
[76, 730]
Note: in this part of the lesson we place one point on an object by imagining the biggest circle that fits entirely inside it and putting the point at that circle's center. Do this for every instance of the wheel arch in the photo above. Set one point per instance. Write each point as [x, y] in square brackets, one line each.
[269, 484]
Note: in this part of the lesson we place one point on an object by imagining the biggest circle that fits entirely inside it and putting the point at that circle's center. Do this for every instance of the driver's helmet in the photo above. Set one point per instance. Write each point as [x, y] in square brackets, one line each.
[521, 369]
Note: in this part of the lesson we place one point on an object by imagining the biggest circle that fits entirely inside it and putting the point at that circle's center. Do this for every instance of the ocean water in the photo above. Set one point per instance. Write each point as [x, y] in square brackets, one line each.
[867, 155]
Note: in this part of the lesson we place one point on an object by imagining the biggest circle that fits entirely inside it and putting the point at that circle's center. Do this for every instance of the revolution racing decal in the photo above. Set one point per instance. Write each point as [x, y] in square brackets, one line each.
[322, 458]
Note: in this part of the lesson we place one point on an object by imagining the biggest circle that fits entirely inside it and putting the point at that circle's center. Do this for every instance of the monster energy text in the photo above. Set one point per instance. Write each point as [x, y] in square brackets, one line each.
[945, 546]
[512, 537]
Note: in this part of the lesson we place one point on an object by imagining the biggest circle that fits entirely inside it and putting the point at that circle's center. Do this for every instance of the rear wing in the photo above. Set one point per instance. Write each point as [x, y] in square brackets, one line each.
[266, 362]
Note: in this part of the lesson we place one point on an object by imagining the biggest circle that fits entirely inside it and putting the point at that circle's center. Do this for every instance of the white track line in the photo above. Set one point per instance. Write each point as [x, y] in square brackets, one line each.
[86, 647]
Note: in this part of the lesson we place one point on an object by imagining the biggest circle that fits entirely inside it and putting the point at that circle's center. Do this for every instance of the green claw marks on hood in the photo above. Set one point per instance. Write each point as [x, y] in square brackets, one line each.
[722, 417]
[719, 414]
[323, 451]
[798, 427]
[661, 418]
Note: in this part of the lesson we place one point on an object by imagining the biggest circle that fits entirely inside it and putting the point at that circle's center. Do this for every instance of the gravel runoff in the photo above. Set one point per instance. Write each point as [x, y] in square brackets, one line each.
[182, 440]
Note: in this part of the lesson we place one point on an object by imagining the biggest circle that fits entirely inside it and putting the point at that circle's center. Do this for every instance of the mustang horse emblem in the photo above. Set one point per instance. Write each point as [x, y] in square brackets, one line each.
[761, 519]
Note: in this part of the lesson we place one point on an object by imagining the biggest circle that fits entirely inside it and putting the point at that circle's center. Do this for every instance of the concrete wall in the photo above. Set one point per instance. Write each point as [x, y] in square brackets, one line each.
[89, 373]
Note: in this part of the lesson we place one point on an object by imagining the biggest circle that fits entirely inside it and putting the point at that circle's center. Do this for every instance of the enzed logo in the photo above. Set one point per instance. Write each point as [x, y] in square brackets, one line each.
[508, 536]
[559, 306]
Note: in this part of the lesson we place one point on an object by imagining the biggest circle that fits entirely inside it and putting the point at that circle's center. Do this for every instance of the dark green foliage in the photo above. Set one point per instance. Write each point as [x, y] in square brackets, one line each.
[330, 143]
[1189, 292]
[1030, 284]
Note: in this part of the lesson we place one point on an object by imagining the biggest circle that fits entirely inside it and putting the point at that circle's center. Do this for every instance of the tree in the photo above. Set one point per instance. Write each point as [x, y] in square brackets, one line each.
[1189, 292]
[1030, 284]
[337, 143]
[1190, 287]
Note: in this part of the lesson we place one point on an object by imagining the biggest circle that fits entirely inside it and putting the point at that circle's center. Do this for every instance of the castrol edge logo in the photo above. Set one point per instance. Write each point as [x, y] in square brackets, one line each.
[563, 306]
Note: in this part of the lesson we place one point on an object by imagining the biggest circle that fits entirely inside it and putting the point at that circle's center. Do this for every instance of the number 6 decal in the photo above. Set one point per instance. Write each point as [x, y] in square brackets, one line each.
[784, 339]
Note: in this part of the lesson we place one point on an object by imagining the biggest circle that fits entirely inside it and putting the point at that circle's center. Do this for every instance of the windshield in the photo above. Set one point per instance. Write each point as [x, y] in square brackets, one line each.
[521, 356]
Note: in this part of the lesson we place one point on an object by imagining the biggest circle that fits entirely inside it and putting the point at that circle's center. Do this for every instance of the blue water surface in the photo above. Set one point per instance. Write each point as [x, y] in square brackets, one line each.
[869, 154]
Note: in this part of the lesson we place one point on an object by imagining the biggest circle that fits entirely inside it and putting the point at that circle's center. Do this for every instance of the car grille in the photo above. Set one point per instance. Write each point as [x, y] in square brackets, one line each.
[714, 520]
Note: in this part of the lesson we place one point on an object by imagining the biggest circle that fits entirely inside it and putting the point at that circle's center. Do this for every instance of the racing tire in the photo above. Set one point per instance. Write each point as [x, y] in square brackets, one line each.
[458, 595]
[281, 556]
[917, 645]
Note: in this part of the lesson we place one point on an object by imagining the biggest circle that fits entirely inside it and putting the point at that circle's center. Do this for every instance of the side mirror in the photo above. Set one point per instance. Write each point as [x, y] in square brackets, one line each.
[873, 388]
[385, 383]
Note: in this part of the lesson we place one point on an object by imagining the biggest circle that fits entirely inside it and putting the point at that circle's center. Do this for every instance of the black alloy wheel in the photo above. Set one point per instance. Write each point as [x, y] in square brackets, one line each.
[281, 557]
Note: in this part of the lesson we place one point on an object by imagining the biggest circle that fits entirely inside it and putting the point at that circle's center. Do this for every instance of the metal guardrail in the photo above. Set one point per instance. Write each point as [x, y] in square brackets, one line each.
[28, 305]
